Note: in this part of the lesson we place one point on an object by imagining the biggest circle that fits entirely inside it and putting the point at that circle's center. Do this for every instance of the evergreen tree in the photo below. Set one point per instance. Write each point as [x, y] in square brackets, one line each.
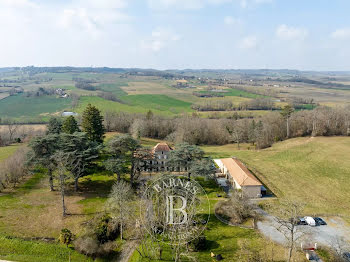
[54, 126]
[123, 147]
[92, 124]
[204, 168]
[184, 155]
[286, 113]
[43, 153]
[79, 152]
[149, 115]
[70, 125]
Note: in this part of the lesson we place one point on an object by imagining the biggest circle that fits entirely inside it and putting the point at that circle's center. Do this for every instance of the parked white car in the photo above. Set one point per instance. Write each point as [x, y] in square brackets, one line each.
[310, 221]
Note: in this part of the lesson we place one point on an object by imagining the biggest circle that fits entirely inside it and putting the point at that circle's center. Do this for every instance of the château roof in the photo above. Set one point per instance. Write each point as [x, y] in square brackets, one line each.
[162, 147]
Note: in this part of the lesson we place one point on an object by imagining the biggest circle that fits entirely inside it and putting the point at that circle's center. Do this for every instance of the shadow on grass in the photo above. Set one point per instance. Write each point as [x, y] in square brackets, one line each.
[93, 186]
[210, 245]
[31, 183]
[209, 185]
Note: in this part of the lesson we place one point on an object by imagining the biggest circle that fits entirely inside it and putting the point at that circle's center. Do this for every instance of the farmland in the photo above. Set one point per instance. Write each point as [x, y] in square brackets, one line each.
[22, 107]
[137, 92]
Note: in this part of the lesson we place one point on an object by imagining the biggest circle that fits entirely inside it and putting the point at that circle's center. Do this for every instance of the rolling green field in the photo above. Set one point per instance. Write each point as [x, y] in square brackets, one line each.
[315, 171]
[234, 92]
[159, 104]
[140, 94]
[23, 107]
[143, 91]
[114, 88]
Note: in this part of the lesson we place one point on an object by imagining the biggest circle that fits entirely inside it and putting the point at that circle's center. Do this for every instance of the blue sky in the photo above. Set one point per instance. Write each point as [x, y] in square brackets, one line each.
[165, 34]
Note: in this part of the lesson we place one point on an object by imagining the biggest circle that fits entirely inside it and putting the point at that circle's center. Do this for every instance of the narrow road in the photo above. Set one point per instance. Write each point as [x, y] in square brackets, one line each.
[128, 250]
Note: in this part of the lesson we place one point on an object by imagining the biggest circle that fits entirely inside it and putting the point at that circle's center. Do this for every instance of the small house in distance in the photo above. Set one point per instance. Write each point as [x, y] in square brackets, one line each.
[182, 83]
[65, 113]
[239, 177]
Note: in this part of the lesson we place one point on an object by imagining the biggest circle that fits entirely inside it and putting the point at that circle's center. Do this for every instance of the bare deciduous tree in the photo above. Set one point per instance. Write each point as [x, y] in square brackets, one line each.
[61, 160]
[13, 168]
[119, 204]
[289, 212]
[12, 129]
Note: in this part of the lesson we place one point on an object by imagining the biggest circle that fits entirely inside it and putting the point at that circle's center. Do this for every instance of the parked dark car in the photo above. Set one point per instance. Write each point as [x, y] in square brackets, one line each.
[346, 256]
[301, 221]
[319, 221]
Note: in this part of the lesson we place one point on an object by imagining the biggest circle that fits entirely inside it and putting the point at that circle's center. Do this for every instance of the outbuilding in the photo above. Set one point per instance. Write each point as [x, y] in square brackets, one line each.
[239, 177]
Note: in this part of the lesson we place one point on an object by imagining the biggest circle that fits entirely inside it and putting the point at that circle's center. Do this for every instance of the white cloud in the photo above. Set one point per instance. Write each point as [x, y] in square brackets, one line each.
[342, 33]
[198, 4]
[289, 33]
[160, 38]
[92, 15]
[105, 3]
[229, 20]
[16, 4]
[248, 42]
[248, 3]
[178, 4]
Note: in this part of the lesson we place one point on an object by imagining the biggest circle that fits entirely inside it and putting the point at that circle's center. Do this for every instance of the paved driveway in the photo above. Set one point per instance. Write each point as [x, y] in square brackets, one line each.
[335, 229]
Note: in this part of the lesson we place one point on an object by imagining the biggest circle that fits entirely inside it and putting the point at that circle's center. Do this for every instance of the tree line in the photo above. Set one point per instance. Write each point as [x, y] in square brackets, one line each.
[261, 132]
[228, 105]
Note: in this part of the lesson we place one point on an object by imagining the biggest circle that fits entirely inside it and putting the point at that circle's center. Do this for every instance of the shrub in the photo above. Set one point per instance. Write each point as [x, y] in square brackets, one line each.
[236, 210]
[86, 245]
[90, 246]
[199, 243]
[66, 237]
[106, 229]
[13, 169]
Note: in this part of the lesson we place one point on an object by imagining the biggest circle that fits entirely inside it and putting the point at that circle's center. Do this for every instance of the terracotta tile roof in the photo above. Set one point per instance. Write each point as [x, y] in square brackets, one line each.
[162, 147]
[240, 173]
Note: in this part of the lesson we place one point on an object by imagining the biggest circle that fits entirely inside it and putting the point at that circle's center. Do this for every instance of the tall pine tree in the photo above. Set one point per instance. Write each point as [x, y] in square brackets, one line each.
[54, 126]
[92, 124]
[70, 125]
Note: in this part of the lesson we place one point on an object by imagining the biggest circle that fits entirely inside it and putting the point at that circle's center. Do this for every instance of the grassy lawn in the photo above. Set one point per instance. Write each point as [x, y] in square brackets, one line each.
[315, 171]
[19, 106]
[224, 239]
[7, 151]
[31, 210]
[20, 250]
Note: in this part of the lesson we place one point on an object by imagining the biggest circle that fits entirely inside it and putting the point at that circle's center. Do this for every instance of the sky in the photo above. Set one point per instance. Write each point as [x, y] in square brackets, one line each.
[177, 34]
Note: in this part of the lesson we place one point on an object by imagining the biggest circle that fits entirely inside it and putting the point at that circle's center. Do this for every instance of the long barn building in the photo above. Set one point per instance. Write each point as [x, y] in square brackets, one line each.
[239, 177]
